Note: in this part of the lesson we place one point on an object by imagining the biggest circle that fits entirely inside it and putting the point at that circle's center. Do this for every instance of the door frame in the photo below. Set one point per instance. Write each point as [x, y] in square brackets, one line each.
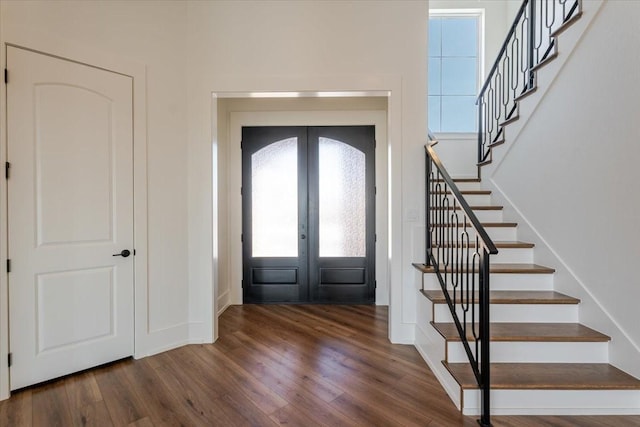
[48, 44]
[237, 120]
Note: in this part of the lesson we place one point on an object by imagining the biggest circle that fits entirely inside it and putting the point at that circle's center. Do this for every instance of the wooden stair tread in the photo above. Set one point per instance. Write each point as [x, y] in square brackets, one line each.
[498, 268]
[460, 180]
[539, 332]
[475, 208]
[510, 297]
[498, 244]
[548, 376]
[468, 192]
[484, 224]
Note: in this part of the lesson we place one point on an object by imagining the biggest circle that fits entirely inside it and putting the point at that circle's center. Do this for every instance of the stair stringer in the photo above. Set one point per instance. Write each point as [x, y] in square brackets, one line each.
[431, 347]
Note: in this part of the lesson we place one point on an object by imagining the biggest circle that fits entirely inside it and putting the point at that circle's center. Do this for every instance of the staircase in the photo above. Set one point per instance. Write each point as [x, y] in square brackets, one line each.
[543, 361]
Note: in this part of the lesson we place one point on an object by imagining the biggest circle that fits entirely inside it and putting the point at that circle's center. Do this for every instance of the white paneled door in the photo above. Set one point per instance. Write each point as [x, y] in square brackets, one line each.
[70, 201]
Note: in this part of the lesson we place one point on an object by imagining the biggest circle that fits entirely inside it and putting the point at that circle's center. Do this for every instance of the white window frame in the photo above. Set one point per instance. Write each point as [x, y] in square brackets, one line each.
[462, 13]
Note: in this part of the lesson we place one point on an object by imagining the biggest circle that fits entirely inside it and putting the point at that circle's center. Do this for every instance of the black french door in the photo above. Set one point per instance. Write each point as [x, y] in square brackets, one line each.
[308, 214]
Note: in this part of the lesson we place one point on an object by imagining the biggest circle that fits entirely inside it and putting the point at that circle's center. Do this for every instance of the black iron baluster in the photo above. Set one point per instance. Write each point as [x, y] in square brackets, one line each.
[461, 267]
[427, 203]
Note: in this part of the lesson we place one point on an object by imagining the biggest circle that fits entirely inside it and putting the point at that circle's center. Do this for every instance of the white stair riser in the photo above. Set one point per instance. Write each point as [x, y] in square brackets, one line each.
[513, 255]
[505, 282]
[507, 255]
[482, 215]
[521, 282]
[539, 313]
[462, 186]
[496, 233]
[536, 352]
[473, 199]
[555, 402]
[488, 216]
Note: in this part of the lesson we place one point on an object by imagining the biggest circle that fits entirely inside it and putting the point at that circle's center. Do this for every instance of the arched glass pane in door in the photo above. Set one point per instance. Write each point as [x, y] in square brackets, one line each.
[342, 199]
[274, 219]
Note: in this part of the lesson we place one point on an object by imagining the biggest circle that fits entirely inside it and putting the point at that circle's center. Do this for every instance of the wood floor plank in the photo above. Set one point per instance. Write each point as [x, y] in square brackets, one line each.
[373, 412]
[121, 397]
[17, 411]
[82, 390]
[92, 415]
[258, 393]
[51, 406]
[247, 411]
[195, 400]
[291, 415]
[297, 374]
[143, 422]
[363, 345]
[164, 409]
[298, 391]
[201, 390]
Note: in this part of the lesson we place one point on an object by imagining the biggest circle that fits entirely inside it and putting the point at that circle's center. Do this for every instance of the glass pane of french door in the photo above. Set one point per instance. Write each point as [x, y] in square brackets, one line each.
[342, 204]
[274, 199]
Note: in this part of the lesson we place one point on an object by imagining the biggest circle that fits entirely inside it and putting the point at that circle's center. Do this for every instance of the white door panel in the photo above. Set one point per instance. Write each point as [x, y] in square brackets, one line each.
[70, 209]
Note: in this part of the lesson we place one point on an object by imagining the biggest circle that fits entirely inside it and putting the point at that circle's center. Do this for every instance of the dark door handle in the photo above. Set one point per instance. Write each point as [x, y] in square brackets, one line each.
[304, 236]
[125, 253]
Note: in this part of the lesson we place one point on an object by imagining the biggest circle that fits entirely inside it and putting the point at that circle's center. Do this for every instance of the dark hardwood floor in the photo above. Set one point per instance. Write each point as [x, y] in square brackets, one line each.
[299, 365]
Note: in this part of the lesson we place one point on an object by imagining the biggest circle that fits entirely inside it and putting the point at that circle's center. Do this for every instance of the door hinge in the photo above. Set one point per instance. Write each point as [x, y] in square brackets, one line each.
[6, 76]
[375, 284]
[7, 166]
[8, 266]
[375, 190]
[375, 237]
[134, 252]
[241, 190]
[10, 359]
[242, 238]
[242, 284]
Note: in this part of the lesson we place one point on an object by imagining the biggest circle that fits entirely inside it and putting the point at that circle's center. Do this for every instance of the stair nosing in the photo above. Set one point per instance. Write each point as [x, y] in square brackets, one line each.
[502, 268]
[484, 224]
[475, 208]
[630, 382]
[593, 337]
[511, 297]
[498, 244]
[467, 192]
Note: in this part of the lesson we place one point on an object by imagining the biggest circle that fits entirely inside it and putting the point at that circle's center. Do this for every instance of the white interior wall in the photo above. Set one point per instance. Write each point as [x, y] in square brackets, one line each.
[570, 175]
[154, 35]
[320, 46]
